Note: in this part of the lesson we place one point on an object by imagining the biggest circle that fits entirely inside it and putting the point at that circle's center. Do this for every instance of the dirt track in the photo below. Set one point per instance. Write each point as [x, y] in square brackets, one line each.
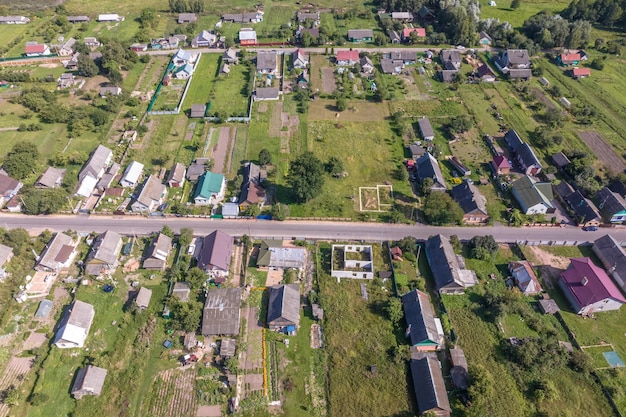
[603, 151]
[221, 150]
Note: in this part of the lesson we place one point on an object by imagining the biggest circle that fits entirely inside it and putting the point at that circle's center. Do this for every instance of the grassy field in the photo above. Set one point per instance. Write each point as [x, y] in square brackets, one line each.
[516, 17]
[203, 81]
[357, 336]
[231, 95]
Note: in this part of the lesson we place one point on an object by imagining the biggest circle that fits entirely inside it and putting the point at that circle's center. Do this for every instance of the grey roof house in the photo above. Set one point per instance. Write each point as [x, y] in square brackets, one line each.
[450, 276]
[159, 250]
[612, 206]
[89, 381]
[152, 195]
[472, 202]
[75, 326]
[585, 212]
[360, 35]
[181, 290]
[104, 252]
[459, 371]
[430, 388]
[176, 176]
[187, 18]
[283, 310]
[427, 167]
[426, 129]
[423, 328]
[533, 197]
[51, 178]
[58, 254]
[267, 62]
[613, 258]
[221, 313]
[143, 298]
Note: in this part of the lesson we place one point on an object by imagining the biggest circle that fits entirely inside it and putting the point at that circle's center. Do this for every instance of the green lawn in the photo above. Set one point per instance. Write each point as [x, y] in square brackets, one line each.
[516, 17]
[203, 81]
[231, 96]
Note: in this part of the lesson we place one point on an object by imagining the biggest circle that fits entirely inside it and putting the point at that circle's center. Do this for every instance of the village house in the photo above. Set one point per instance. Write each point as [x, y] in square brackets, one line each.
[272, 254]
[533, 197]
[485, 74]
[283, 309]
[176, 176]
[247, 37]
[58, 254]
[159, 250]
[612, 206]
[267, 63]
[13, 20]
[427, 167]
[110, 90]
[89, 381]
[347, 58]
[131, 175]
[266, 94]
[360, 35]
[67, 48]
[588, 288]
[108, 177]
[164, 43]
[210, 189]
[524, 277]
[585, 213]
[78, 19]
[181, 290]
[93, 170]
[394, 37]
[74, 326]
[230, 57]
[205, 39]
[252, 190]
[248, 17]
[142, 301]
[197, 111]
[450, 64]
[6, 254]
[308, 16]
[215, 254]
[613, 258]
[299, 59]
[67, 80]
[187, 18]
[567, 58]
[402, 16]
[472, 202]
[429, 386]
[92, 43]
[416, 151]
[36, 49]
[196, 169]
[423, 329]
[406, 34]
[515, 63]
[104, 253]
[138, 47]
[560, 160]
[579, 73]
[152, 195]
[184, 72]
[367, 66]
[500, 165]
[221, 312]
[484, 39]
[448, 269]
[230, 210]
[426, 129]
[9, 188]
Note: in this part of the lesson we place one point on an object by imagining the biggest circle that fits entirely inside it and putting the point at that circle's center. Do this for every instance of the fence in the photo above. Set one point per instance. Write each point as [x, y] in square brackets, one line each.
[554, 242]
[182, 99]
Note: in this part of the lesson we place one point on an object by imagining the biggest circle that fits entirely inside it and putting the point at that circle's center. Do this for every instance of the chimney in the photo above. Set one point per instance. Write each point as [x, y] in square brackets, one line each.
[407, 333]
[612, 269]
[584, 281]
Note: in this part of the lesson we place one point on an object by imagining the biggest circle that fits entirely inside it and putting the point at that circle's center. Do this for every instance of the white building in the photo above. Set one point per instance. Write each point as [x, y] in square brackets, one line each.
[132, 175]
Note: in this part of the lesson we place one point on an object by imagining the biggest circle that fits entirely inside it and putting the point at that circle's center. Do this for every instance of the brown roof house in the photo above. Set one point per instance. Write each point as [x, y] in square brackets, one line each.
[102, 258]
[252, 190]
[283, 310]
[158, 252]
[89, 381]
[58, 254]
[215, 255]
[143, 298]
[9, 187]
[152, 195]
[221, 313]
[75, 326]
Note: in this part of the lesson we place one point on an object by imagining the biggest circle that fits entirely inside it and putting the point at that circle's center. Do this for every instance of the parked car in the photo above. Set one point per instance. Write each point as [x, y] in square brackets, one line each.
[590, 228]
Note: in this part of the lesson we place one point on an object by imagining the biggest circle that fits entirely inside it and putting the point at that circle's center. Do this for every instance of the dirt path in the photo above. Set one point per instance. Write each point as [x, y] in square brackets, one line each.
[231, 149]
[328, 81]
[275, 120]
[237, 279]
[220, 150]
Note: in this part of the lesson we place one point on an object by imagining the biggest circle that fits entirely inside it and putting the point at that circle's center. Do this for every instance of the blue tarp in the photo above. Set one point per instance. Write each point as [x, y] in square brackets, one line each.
[291, 329]
[613, 359]
[264, 217]
[167, 344]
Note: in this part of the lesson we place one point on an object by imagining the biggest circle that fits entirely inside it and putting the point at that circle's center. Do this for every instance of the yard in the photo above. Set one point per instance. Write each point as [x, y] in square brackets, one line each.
[232, 96]
[203, 81]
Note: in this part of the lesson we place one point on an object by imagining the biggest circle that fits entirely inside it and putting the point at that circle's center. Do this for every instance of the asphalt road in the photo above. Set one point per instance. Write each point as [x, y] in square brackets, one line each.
[296, 229]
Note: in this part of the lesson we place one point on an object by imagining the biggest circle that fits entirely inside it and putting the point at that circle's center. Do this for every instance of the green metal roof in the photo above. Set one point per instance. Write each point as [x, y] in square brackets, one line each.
[209, 183]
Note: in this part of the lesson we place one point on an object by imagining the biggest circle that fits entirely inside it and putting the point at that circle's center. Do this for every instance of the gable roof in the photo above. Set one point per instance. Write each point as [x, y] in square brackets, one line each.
[484, 35]
[459, 370]
[348, 55]
[89, 380]
[187, 17]
[143, 297]
[560, 159]
[366, 61]
[420, 318]
[360, 33]
[51, 178]
[527, 155]
[56, 252]
[425, 127]
[266, 61]
[526, 279]
[570, 56]
[403, 55]
[469, 198]
[613, 257]
[267, 92]
[501, 162]
[106, 248]
[406, 32]
[581, 72]
[598, 285]
[428, 167]
[430, 389]
[177, 173]
[518, 56]
[181, 290]
[98, 160]
[284, 304]
[151, 191]
[44, 309]
[35, 48]
[209, 183]
[160, 247]
[529, 192]
[8, 185]
[220, 315]
[584, 209]
[132, 173]
[513, 140]
[76, 323]
[445, 266]
[6, 253]
[450, 55]
[216, 251]
[609, 203]
[484, 69]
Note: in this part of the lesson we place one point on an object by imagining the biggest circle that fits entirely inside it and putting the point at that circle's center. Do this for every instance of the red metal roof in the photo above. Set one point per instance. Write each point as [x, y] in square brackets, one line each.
[598, 287]
[35, 48]
[578, 72]
[570, 57]
[421, 32]
[348, 55]
[501, 162]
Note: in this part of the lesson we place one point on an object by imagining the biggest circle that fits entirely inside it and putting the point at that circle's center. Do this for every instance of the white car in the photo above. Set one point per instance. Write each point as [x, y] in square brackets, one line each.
[460, 47]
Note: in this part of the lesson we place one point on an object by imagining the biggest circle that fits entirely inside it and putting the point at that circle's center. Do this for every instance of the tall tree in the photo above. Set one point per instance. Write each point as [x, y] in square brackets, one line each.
[306, 176]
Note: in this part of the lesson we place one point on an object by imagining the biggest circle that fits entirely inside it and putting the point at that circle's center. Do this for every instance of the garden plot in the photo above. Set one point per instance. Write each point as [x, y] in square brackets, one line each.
[603, 151]
[175, 394]
[13, 376]
[379, 198]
